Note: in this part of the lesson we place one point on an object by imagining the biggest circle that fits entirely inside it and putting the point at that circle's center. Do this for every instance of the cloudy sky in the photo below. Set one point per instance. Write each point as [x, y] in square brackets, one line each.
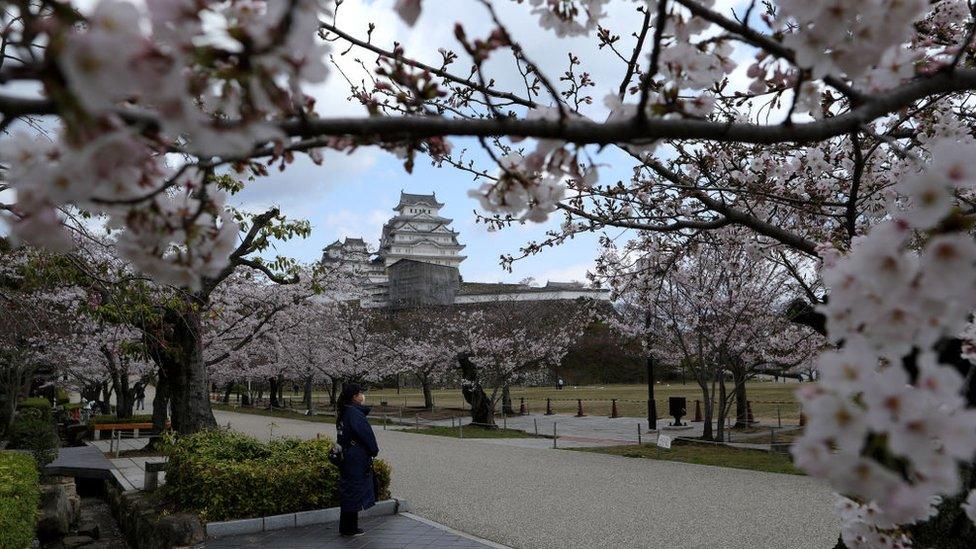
[353, 195]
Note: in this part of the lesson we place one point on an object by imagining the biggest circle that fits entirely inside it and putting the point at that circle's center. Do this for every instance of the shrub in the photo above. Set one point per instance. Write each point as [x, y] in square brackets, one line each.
[38, 406]
[36, 434]
[225, 475]
[19, 496]
[62, 396]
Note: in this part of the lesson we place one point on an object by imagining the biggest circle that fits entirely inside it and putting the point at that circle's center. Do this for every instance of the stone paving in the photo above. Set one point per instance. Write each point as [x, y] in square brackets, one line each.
[403, 531]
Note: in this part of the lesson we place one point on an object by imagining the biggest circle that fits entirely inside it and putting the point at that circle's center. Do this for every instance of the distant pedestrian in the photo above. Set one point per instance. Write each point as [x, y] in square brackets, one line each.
[355, 436]
[140, 390]
[559, 384]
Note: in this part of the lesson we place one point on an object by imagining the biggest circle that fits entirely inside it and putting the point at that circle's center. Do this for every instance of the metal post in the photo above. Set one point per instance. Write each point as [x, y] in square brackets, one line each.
[504, 420]
[460, 428]
[535, 423]
[417, 421]
[384, 422]
[639, 442]
[554, 434]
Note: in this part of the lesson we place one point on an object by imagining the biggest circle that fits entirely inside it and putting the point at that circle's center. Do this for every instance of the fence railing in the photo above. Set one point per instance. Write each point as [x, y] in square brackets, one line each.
[780, 413]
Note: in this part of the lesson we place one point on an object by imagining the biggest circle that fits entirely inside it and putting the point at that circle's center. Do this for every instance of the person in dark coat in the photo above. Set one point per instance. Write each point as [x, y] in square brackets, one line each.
[355, 436]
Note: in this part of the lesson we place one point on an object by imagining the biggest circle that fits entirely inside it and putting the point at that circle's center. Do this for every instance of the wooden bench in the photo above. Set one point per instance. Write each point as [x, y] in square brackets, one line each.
[153, 469]
[134, 427]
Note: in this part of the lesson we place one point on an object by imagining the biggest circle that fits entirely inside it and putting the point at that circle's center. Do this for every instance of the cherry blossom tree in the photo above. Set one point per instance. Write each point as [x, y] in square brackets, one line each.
[500, 344]
[712, 307]
[847, 141]
[418, 345]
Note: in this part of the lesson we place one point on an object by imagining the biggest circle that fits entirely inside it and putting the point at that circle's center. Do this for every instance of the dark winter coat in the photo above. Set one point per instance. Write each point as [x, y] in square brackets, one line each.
[359, 448]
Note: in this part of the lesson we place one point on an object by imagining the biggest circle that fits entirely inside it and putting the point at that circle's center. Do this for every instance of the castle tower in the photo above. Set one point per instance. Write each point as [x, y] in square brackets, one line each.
[419, 233]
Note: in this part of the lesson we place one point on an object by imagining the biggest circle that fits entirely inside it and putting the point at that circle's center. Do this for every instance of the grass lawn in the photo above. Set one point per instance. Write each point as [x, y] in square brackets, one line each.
[470, 432]
[767, 398]
[706, 454]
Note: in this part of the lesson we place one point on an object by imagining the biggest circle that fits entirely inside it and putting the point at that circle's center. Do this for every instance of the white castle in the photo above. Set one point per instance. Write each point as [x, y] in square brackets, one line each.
[418, 261]
[418, 232]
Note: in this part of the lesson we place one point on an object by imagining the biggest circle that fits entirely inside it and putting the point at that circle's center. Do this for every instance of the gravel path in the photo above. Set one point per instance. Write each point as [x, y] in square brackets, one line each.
[529, 498]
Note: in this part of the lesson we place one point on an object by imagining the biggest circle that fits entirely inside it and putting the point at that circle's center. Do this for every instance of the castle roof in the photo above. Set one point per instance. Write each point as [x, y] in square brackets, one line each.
[407, 199]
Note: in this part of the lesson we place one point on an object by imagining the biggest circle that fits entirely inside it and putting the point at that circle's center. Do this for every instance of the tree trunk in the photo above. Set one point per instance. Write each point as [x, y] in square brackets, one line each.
[124, 397]
[160, 404]
[722, 397]
[274, 384]
[507, 402]
[333, 393]
[281, 388]
[741, 412]
[178, 350]
[227, 392]
[428, 396]
[707, 406]
[106, 400]
[307, 394]
[482, 410]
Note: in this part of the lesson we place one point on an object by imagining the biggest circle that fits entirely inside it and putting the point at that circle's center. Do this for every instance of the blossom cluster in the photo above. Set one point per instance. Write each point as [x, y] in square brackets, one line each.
[889, 437]
[136, 83]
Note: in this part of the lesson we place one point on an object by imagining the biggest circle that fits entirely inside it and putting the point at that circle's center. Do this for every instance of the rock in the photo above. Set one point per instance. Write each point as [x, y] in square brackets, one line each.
[88, 527]
[70, 542]
[58, 510]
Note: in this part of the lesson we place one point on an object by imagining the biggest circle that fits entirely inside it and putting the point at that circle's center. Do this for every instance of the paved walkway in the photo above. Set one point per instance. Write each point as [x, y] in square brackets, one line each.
[542, 498]
[590, 430]
[402, 531]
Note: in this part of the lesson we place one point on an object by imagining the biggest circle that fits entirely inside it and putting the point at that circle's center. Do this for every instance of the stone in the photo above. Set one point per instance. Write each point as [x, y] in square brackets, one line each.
[58, 510]
[69, 542]
[88, 527]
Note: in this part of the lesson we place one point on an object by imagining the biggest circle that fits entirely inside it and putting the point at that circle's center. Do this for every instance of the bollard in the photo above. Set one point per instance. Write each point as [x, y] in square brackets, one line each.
[535, 423]
[416, 422]
[638, 435]
[522, 410]
[579, 408]
[698, 414]
[749, 419]
[548, 406]
[613, 409]
[803, 419]
[554, 434]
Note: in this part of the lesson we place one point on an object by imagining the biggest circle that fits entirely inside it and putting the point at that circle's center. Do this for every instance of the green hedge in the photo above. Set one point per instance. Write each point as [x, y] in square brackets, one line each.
[35, 434]
[19, 496]
[36, 405]
[223, 475]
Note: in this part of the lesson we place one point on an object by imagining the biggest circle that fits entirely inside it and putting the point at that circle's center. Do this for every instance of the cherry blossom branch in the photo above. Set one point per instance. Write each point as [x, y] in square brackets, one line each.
[486, 90]
[588, 132]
